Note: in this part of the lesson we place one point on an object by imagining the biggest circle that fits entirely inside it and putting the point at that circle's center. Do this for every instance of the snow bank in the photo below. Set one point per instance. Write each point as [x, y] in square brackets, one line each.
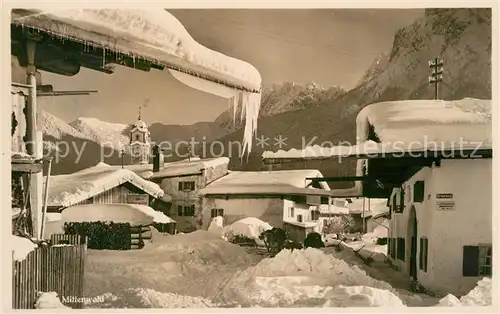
[295, 278]
[250, 227]
[480, 295]
[49, 300]
[21, 247]
[197, 264]
[362, 296]
[449, 300]
[149, 298]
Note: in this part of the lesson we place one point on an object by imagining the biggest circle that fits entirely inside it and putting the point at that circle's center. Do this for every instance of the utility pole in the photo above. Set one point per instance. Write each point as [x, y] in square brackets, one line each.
[436, 76]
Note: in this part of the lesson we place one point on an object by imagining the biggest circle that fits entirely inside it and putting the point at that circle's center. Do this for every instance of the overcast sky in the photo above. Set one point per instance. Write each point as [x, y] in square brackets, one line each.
[329, 47]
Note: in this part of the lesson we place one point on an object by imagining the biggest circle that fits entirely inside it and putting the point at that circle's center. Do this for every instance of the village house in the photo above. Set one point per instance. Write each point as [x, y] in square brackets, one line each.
[102, 185]
[182, 181]
[433, 161]
[281, 198]
[371, 211]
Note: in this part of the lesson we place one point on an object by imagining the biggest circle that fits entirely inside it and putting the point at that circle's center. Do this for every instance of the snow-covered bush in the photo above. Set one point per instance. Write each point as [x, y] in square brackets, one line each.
[102, 235]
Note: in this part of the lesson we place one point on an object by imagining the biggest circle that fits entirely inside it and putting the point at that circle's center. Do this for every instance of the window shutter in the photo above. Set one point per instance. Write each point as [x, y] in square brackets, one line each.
[470, 261]
[179, 210]
[402, 200]
[180, 186]
[212, 213]
[418, 191]
[421, 255]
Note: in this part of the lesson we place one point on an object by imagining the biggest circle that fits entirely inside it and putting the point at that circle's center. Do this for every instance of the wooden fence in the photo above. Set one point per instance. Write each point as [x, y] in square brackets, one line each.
[58, 267]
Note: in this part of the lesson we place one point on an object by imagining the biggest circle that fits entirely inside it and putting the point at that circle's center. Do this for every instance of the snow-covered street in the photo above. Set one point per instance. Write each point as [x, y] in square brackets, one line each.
[202, 270]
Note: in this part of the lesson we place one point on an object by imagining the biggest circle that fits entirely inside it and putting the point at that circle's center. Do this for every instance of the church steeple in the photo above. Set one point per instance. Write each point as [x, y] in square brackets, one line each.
[140, 141]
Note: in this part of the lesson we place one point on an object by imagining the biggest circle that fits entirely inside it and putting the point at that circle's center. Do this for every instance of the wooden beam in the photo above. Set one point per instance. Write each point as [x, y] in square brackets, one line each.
[27, 167]
[427, 155]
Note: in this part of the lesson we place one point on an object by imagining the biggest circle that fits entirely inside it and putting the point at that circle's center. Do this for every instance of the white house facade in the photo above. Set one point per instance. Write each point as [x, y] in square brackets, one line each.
[442, 235]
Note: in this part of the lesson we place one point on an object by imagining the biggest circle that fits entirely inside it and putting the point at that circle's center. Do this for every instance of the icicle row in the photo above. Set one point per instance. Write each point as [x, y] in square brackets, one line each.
[250, 105]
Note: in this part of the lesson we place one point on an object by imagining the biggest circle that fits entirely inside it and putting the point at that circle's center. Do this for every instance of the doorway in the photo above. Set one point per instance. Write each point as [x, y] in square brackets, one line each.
[413, 237]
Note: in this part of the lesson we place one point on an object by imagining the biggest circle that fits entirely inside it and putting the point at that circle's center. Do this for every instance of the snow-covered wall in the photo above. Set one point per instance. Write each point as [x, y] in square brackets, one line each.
[269, 210]
[469, 223]
[170, 186]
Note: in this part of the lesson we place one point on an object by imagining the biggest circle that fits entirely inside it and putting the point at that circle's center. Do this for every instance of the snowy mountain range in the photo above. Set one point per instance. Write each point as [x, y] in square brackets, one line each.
[461, 37]
[283, 97]
[109, 134]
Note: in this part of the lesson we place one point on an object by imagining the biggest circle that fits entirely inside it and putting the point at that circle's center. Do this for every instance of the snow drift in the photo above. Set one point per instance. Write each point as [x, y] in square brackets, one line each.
[304, 278]
[249, 227]
[479, 296]
[49, 300]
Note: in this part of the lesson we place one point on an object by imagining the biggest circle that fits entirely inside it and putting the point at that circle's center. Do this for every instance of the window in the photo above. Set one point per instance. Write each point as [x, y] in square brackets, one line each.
[137, 137]
[186, 186]
[476, 261]
[187, 210]
[299, 218]
[401, 249]
[424, 249]
[418, 191]
[399, 200]
[217, 212]
[292, 212]
[325, 200]
[314, 215]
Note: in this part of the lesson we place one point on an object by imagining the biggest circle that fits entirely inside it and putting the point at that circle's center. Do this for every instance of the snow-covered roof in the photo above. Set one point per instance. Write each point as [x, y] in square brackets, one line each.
[172, 169]
[411, 125]
[267, 183]
[118, 213]
[69, 189]
[411, 121]
[155, 35]
[146, 33]
[187, 167]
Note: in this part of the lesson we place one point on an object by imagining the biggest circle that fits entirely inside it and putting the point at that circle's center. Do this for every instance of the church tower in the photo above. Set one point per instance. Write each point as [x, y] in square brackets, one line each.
[140, 142]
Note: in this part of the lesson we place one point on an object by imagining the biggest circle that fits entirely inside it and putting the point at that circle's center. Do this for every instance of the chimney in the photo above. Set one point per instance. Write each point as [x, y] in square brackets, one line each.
[158, 161]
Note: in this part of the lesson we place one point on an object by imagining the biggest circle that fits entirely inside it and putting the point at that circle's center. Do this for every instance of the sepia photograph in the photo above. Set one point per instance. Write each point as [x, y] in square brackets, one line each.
[250, 157]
